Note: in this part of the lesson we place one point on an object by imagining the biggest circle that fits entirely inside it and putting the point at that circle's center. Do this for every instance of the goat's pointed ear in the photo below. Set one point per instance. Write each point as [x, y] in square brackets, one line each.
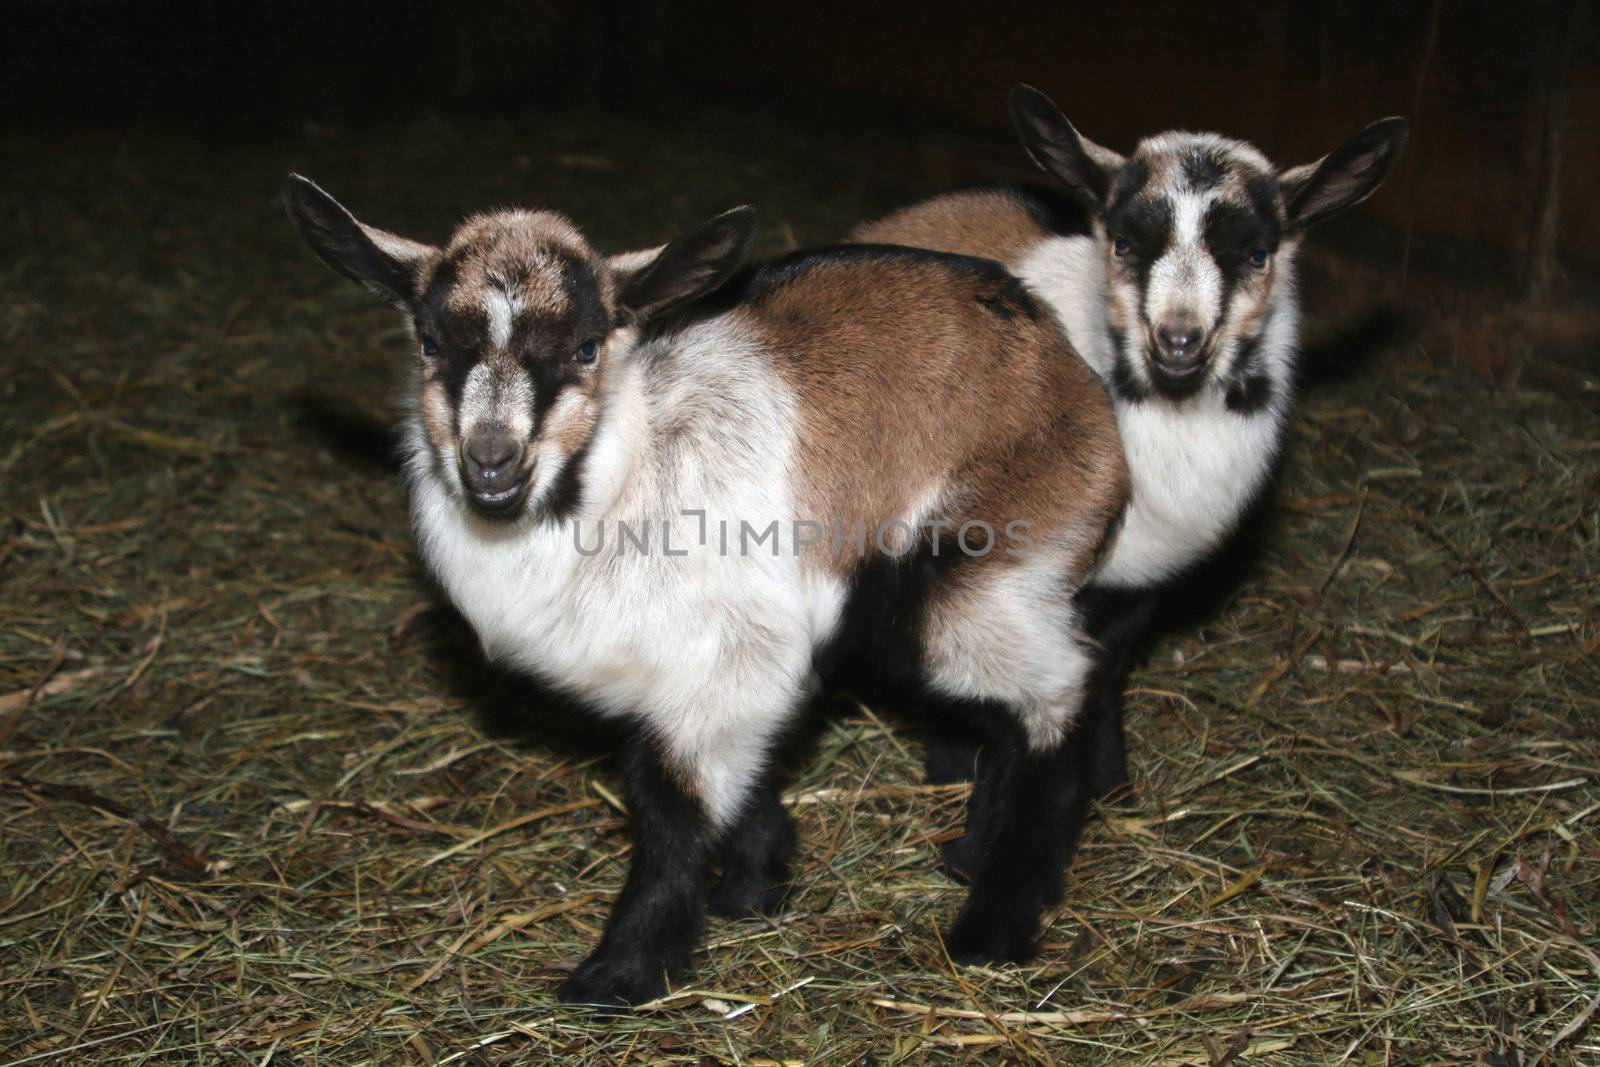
[1085, 168]
[383, 262]
[1344, 177]
[690, 266]
[625, 264]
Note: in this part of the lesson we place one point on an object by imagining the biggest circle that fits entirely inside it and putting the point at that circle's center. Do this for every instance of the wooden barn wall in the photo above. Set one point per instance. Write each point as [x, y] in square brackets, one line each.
[1475, 76]
[1295, 78]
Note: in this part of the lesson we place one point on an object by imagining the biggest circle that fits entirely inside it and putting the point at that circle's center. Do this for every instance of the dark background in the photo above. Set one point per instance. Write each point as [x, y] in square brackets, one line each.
[1495, 193]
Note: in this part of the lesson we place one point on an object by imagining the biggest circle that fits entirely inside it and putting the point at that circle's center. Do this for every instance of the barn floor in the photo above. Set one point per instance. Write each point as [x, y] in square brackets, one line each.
[260, 803]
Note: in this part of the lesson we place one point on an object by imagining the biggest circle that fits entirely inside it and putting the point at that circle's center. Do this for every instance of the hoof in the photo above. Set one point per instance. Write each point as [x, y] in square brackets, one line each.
[741, 898]
[959, 859]
[983, 935]
[606, 983]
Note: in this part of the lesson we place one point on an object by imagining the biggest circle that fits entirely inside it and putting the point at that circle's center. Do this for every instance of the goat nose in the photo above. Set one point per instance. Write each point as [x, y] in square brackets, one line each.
[493, 456]
[1180, 341]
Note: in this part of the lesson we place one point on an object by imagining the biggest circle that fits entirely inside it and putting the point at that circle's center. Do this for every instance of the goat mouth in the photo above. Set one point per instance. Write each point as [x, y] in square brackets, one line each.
[1178, 381]
[501, 503]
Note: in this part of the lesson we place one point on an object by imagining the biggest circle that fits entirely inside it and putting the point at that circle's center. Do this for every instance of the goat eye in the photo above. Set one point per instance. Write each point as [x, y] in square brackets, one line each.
[588, 350]
[1120, 246]
[430, 347]
[1258, 258]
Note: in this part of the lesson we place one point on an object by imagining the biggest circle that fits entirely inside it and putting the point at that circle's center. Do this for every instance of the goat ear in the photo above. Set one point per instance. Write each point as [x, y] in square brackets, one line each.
[1344, 177]
[625, 264]
[1085, 168]
[690, 266]
[383, 262]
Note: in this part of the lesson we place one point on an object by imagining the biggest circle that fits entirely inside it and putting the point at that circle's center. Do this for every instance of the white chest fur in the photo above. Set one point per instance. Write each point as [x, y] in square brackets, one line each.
[1196, 468]
[599, 606]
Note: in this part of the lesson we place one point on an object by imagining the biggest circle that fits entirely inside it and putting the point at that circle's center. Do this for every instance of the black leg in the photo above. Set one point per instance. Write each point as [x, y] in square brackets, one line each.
[956, 751]
[1103, 710]
[656, 919]
[961, 855]
[755, 859]
[948, 755]
[1118, 622]
[1035, 813]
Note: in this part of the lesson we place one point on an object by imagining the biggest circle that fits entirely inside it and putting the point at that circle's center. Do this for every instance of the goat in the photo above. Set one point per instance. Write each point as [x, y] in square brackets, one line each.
[1172, 271]
[902, 401]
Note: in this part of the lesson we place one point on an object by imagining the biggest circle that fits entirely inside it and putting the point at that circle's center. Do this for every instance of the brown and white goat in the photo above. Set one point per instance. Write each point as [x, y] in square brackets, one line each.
[683, 510]
[1172, 271]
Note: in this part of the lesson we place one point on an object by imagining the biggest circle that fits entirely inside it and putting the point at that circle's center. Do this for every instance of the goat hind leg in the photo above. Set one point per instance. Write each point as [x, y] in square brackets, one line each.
[1037, 814]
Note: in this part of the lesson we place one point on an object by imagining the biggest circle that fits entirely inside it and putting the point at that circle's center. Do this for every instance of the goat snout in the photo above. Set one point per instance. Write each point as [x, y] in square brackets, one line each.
[492, 469]
[1180, 342]
[1180, 348]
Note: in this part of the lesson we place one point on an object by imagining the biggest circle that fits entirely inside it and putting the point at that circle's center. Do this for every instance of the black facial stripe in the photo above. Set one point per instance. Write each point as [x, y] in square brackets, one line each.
[1130, 180]
[1262, 192]
[451, 366]
[459, 341]
[1231, 233]
[581, 286]
[1234, 231]
[1145, 222]
[1125, 385]
[549, 377]
[461, 333]
[567, 493]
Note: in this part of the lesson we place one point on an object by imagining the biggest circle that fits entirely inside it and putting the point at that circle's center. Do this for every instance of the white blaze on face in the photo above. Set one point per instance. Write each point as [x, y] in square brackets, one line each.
[1186, 281]
[502, 309]
[497, 391]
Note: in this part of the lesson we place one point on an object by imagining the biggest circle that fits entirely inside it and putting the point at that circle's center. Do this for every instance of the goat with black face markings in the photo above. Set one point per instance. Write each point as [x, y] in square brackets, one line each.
[905, 397]
[1171, 271]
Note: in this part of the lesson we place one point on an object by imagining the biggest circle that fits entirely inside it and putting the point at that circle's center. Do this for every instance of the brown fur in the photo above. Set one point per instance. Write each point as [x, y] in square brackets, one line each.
[438, 420]
[980, 222]
[914, 375]
[571, 422]
[512, 251]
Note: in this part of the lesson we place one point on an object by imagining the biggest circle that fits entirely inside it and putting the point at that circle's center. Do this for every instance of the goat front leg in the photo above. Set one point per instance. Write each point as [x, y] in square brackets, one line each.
[755, 857]
[656, 920]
